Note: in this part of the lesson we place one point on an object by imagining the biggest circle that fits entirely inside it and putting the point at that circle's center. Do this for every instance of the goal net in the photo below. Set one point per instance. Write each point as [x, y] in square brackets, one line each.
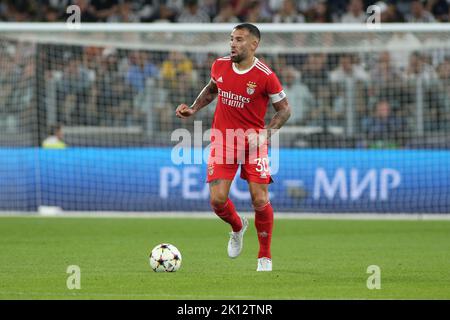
[369, 130]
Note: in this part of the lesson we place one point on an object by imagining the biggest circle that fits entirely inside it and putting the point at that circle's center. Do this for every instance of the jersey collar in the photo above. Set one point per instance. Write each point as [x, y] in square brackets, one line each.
[246, 70]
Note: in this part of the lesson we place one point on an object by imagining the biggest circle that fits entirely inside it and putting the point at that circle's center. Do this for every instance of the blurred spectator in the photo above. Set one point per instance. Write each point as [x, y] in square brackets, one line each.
[160, 111]
[226, 13]
[175, 5]
[103, 9]
[141, 68]
[162, 13]
[275, 5]
[440, 9]
[347, 11]
[141, 76]
[73, 90]
[9, 76]
[22, 97]
[319, 13]
[423, 83]
[348, 84]
[143, 9]
[418, 68]
[51, 9]
[347, 69]
[51, 14]
[288, 13]
[124, 13]
[182, 91]
[400, 46]
[315, 75]
[113, 98]
[210, 7]
[386, 83]
[55, 138]
[300, 98]
[204, 69]
[255, 12]
[192, 13]
[12, 90]
[92, 57]
[176, 63]
[391, 14]
[315, 72]
[418, 13]
[443, 72]
[88, 13]
[383, 128]
[20, 10]
[355, 13]
[300, 5]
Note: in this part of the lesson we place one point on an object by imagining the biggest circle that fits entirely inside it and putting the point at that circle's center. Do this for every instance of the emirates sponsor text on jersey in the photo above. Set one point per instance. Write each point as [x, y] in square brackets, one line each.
[233, 100]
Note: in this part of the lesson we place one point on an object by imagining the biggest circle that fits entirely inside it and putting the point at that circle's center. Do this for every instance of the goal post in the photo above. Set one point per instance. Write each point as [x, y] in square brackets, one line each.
[369, 130]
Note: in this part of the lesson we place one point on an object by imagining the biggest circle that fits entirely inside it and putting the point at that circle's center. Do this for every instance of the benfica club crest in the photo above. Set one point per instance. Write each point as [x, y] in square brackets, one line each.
[251, 87]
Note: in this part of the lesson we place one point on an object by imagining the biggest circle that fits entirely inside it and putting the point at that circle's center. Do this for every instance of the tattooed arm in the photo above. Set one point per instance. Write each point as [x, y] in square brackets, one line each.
[281, 116]
[206, 96]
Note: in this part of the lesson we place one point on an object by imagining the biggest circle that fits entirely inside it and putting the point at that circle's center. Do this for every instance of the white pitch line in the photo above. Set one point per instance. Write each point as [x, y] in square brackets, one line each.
[210, 215]
[95, 294]
[175, 296]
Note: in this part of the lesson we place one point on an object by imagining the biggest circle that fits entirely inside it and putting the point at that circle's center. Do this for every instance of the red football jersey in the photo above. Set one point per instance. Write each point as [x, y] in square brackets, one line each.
[243, 95]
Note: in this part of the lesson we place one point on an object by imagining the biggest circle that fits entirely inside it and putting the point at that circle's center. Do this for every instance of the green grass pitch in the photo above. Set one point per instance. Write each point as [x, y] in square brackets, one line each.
[312, 259]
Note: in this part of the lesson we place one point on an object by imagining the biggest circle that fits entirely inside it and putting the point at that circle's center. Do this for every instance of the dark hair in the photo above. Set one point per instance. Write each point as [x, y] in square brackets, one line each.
[54, 128]
[251, 28]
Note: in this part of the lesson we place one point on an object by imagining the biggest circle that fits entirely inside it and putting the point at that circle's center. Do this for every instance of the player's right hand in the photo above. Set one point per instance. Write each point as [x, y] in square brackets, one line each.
[183, 111]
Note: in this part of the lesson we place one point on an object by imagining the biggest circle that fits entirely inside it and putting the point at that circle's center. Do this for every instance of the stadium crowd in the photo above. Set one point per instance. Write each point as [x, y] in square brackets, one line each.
[232, 11]
[104, 86]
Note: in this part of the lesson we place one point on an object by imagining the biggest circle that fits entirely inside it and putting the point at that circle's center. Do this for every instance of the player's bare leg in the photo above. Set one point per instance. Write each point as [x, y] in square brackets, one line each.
[224, 208]
[263, 223]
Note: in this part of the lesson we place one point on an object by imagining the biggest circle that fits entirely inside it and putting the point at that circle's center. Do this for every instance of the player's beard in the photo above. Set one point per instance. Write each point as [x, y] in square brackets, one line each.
[238, 58]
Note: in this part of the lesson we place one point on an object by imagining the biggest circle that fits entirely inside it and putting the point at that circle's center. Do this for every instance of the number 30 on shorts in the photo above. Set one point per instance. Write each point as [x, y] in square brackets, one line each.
[262, 164]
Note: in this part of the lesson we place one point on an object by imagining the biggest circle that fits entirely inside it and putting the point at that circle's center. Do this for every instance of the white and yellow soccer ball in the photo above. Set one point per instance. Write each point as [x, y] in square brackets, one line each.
[165, 257]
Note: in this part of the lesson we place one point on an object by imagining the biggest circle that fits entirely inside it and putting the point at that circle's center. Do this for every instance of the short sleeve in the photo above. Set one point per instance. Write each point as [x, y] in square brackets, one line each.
[214, 72]
[274, 88]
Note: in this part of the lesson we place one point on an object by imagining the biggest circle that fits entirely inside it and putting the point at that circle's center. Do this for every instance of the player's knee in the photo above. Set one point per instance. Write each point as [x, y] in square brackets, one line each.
[218, 200]
[259, 202]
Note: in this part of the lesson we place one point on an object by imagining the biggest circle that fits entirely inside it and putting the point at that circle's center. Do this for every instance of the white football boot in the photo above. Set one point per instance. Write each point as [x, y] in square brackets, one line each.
[264, 264]
[237, 240]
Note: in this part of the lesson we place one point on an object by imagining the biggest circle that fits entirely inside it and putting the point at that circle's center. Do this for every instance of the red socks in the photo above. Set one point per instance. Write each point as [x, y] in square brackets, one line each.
[228, 213]
[264, 225]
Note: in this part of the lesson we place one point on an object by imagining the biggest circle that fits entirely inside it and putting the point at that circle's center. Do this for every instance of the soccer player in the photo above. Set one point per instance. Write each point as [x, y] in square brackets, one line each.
[244, 86]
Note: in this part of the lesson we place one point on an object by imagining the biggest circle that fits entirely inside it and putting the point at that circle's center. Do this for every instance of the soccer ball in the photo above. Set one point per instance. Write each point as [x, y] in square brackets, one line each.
[165, 257]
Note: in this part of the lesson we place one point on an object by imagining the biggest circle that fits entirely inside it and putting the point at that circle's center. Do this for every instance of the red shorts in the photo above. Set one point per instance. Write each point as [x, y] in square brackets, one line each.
[254, 170]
